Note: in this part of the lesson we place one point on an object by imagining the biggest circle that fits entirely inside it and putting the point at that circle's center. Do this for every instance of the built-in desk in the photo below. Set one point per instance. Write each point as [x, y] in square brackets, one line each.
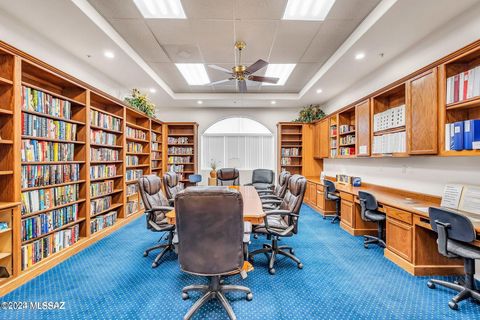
[411, 243]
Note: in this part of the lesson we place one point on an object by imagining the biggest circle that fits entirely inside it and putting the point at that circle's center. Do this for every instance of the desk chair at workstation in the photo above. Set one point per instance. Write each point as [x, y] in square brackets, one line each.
[210, 224]
[172, 186]
[262, 179]
[330, 195]
[283, 222]
[228, 177]
[156, 207]
[455, 234]
[370, 213]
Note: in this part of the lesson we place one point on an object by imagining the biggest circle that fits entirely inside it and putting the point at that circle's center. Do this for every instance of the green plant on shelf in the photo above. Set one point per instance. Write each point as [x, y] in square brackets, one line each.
[141, 102]
[310, 113]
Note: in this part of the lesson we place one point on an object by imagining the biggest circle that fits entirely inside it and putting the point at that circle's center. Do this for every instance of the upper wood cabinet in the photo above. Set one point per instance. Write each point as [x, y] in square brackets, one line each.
[362, 124]
[422, 113]
[321, 139]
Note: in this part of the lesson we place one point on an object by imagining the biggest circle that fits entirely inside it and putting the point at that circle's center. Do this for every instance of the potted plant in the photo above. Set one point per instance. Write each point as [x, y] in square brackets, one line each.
[310, 113]
[141, 102]
[213, 166]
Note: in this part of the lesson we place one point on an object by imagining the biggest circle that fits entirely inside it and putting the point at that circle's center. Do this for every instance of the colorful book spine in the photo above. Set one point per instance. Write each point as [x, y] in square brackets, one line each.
[178, 140]
[45, 175]
[103, 221]
[136, 133]
[101, 188]
[99, 205]
[105, 121]
[37, 126]
[134, 147]
[44, 199]
[463, 86]
[132, 161]
[102, 137]
[39, 101]
[103, 171]
[133, 174]
[34, 151]
[104, 154]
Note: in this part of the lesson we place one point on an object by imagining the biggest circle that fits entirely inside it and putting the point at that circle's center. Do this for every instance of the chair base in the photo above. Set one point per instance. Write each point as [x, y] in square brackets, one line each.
[272, 250]
[373, 240]
[214, 290]
[167, 247]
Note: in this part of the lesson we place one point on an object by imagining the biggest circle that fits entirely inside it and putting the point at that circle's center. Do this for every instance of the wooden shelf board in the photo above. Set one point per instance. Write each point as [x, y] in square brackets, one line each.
[346, 133]
[461, 153]
[291, 146]
[107, 162]
[53, 185]
[5, 81]
[136, 126]
[6, 205]
[157, 132]
[106, 178]
[6, 172]
[184, 154]
[464, 104]
[5, 111]
[155, 150]
[181, 144]
[390, 155]
[106, 112]
[138, 153]
[105, 129]
[45, 115]
[156, 168]
[181, 134]
[105, 146]
[137, 140]
[51, 162]
[5, 230]
[190, 163]
[106, 194]
[137, 166]
[388, 131]
[59, 96]
[347, 144]
[287, 141]
[4, 255]
[291, 165]
[131, 181]
[51, 209]
[112, 207]
[51, 140]
[65, 226]
[6, 141]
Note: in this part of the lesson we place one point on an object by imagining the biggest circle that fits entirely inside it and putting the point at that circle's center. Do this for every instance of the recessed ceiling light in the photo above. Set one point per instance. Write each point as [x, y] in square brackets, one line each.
[281, 71]
[153, 90]
[315, 10]
[273, 102]
[319, 90]
[194, 73]
[109, 54]
[360, 56]
[161, 9]
[200, 102]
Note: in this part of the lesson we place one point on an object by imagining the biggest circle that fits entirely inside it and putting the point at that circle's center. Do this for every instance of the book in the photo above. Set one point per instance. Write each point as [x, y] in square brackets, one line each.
[45, 175]
[458, 135]
[471, 133]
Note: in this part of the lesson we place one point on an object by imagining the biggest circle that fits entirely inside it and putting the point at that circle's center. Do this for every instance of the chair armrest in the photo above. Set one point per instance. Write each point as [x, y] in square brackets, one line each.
[265, 191]
[269, 196]
[271, 201]
[278, 212]
[160, 208]
[248, 184]
[442, 231]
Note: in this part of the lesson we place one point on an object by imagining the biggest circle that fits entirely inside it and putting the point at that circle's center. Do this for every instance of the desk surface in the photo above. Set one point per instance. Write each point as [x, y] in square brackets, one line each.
[252, 206]
[410, 203]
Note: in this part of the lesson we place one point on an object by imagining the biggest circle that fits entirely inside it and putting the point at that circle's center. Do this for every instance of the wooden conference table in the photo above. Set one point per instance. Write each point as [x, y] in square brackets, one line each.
[252, 206]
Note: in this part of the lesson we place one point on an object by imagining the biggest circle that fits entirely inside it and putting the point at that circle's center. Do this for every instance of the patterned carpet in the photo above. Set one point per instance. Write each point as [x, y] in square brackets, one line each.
[340, 280]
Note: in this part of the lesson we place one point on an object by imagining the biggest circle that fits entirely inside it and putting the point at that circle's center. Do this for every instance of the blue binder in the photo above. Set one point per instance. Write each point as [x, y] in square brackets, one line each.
[471, 133]
[458, 136]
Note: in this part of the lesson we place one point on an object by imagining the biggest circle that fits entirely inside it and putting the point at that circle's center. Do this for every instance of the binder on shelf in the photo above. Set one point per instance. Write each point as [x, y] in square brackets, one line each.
[458, 136]
[471, 133]
[447, 137]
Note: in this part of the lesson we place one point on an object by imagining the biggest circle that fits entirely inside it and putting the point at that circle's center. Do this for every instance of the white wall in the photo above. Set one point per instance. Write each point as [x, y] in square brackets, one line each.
[422, 174]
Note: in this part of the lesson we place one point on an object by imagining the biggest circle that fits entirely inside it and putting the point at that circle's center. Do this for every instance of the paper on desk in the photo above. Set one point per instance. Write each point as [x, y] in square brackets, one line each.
[451, 196]
[422, 209]
[470, 201]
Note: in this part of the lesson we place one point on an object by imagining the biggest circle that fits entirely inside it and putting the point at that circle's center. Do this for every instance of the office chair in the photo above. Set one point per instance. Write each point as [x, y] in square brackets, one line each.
[455, 232]
[172, 186]
[370, 213]
[211, 236]
[273, 198]
[156, 207]
[262, 179]
[283, 222]
[228, 177]
[329, 194]
[195, 178]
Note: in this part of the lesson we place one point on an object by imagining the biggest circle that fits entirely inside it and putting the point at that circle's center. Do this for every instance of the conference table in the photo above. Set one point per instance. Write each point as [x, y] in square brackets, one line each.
[252, 206]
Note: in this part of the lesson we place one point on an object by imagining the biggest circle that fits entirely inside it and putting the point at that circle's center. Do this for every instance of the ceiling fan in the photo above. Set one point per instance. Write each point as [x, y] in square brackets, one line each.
[241, 73]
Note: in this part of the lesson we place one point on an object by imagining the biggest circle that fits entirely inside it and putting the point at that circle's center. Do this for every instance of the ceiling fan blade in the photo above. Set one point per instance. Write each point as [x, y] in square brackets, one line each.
[256, 66]
[220, 68]
[220, 81]
[242, 86]
[263, 79]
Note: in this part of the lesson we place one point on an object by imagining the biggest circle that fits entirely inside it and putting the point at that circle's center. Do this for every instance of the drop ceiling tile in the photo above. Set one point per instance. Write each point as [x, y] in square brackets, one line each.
[215, 40]
[116, 9]
[258, 36]
[139, 37]
[351, 9]
[170, 74]
[171, 31]
[260, 9]
[208, 9]
[183, 53]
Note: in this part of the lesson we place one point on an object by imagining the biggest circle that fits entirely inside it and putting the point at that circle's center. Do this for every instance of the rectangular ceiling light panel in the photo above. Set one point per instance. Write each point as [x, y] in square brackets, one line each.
[281, 71]
[194, 73]
[313, 10]
[161, 9]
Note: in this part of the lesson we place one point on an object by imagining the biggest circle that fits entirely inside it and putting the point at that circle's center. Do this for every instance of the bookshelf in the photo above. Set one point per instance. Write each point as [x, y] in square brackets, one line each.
[181, 149]
[290, 141]
[346, 134]
[333, 136]
[137, 136]
[156, 152]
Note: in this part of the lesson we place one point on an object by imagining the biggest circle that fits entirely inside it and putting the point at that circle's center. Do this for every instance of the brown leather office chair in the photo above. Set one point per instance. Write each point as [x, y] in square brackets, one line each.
[283, 222]
[273, 198]
[228, 177]
[172, 186]
[210, 231]
[262, 179]
[156, 207]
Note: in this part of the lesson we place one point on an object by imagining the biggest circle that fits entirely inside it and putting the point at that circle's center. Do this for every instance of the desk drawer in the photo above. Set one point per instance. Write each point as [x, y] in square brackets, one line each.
[399, 238]
[346, 196]
[399, 214]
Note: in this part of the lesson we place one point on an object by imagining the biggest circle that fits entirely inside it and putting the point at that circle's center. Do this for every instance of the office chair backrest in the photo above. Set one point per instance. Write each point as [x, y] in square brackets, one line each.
[210, 230]
[228, 177]
[263, 176]
[172, 185]
[294, 198]
[329, 187]
[456, 226]
[151, 192]
[367, 202]
[281, 187]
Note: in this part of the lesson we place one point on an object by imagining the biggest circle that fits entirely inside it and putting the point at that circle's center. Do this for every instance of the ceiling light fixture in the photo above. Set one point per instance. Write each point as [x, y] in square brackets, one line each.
[319, 90]
[200, 102]
[153, 90]
[194, 73]
[273, 102]
[313, 10]
[161, 9]
[359, 56]
[280, 71]
[109, 54]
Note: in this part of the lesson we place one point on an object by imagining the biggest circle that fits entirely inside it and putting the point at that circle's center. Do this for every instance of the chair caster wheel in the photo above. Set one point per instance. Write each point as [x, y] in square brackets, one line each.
[365, 246]
[222, 281]
[249, 296]
[154, 265]
[145, 254]
[453, 305]
[185, 296]
[292, 251]
[255, 236]
[271, 271]
[431, 285]
[300, 266]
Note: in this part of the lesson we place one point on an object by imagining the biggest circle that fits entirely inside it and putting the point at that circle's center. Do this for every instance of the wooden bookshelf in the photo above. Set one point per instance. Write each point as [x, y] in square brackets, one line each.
[291, 151]
[346, 134]
[180, 149]
[156, 146]
[333, 136]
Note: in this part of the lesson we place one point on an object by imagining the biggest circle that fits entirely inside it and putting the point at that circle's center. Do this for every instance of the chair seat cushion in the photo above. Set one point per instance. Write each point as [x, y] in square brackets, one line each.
[333, 197]
[463, 250]
[274, 222]
[262, 186]
[374, 215]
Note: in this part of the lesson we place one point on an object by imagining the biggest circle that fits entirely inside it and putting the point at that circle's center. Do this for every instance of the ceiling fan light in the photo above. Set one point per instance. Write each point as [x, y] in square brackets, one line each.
[312, 10]
[280, 71]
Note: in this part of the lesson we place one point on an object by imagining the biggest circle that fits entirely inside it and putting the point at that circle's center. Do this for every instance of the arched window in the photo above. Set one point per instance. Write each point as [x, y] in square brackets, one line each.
[238, 142]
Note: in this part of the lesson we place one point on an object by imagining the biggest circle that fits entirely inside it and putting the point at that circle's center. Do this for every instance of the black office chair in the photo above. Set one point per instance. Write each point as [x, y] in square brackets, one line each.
[262, 179]
[370, 213]
[172, 186]
[273, 198]
[330, 195]
[195, 179]
[228, 177]
[156, 207]
[283, 222]
[455, 232]
[211, 236]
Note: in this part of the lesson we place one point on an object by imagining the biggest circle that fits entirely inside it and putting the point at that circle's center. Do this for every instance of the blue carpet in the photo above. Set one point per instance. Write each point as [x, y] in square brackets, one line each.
[340, 280]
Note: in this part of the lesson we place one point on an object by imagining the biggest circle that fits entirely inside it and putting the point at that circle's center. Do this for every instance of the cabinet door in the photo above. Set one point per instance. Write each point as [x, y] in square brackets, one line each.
[320, 198]
[324, 147]
[307, 192]
[316, 140]
[422, 110]
[347, 212]
[362, 126]
[399, 238]
[313, 194]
